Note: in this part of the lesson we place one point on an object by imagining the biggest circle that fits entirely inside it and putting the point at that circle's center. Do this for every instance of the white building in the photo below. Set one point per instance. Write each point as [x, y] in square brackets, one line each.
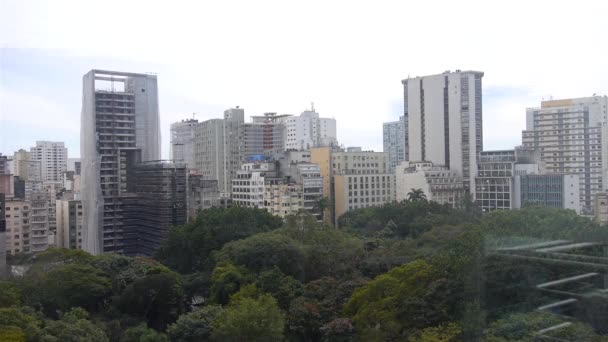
[182, 142]
[437, 182]
[309, 130]
[248, 185]
[53, 157]
[120, 126]
[572, 137]
[282, 197]
[443, 114]
[393, 134]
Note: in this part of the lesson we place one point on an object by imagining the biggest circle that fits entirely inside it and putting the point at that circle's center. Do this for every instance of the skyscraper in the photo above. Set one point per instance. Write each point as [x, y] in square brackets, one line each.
[53, 157]
[572, 136]
[119, 127]
[443, 114]
[393, 135]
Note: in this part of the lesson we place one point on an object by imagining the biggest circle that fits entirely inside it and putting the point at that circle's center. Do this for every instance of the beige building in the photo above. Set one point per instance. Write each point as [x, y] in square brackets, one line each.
[572, 136]
[601, 207]
[69, 224]
[437, 182]
[17, 216]
[282, 198]
[362, 191]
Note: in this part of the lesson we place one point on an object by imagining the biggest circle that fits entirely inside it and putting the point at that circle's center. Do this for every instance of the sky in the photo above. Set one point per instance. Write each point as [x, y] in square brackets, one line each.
[348, 57]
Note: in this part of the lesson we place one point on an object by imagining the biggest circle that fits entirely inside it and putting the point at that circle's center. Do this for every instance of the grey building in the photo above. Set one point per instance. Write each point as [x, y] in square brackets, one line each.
[394, 134]
[157, 203]
[53, 157]
[202, 194]
[119, 128]
[4, 165]
[3, 272]
[69, 223]
[182, 142]
[443, 116]
[572, 137]
[265, 135]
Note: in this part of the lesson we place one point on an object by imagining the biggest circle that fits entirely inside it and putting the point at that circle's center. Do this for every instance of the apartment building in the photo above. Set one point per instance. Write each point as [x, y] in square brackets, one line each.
[438, 183]
[572, 137]
[17, 220]
[282, 197]
[69, 215]
[309, 130]
[443, 115]
[264, 135]
[53, 157]
[202, 194]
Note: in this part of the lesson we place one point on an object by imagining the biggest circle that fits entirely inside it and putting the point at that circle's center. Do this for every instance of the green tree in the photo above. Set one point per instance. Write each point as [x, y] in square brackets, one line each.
[226, 280]
[398, 304]
[322, 205]
[142, 333]
[73, 327]
[250, 319]
[15, 318]
[10, 294]
[194, 326]
[189, 247]
[283, 288]
[158, 298]
[264, 251]
[11, 334]
[416, 195]
[444, 333]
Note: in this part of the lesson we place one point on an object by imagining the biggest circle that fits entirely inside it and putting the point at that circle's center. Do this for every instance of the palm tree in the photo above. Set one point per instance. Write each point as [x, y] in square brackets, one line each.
[416, 195]
[322, 204]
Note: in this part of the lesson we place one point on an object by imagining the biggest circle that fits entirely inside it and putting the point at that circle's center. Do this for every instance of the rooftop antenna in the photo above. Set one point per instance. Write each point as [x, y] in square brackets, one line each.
[193, 114]
[312, 106]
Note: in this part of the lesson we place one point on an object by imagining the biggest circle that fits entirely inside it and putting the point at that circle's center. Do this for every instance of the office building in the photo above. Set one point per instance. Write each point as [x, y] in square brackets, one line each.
[572, 137]
[354, 191]
[182, 142]
[496, 170]
[119, 128]
[309, 130]
[264, 135]
[156, 204]
[393, 135]
[69, 224]
[53, 157]
[202, 194]
[437, 182]
[443, 116]
[549, 190]
[248, 185]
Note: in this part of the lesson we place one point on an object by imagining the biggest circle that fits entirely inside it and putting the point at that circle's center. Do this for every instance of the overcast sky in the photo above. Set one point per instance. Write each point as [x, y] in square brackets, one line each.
[348, 57]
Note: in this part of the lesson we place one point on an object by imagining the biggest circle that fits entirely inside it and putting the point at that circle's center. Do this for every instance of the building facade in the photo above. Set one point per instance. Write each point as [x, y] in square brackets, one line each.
[120, 126]
[182, 142]
[265, 135]
[601, 207]
[437, 182]
[572, 137]
[17, 221]
[202, 194]
[354, 191]
[53, 157]
[393, 138]
[443, 115]
[69, 224]
[309, 130]
[549, 190]
[282, 197]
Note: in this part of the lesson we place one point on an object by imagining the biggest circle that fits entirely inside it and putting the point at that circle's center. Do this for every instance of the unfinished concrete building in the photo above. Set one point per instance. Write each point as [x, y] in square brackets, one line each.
[119, 127]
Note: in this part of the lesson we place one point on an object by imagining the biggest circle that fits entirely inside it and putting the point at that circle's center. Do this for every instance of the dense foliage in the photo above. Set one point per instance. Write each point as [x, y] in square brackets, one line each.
[411, 271]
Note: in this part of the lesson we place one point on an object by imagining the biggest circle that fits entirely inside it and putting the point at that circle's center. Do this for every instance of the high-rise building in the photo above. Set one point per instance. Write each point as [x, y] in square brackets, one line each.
[394, 141]
[437, 182]
[26, 168]
[69, 224]
[119, 128]
[572, 137]
[309, 130]
[182, 142]
[264, 135]
[73, 164]
[157, 203]
[443, 116]
[4, 165]
[53, 158]
[39, 221]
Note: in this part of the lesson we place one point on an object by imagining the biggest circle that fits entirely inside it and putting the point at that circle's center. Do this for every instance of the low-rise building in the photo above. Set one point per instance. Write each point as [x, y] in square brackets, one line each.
[601, 207]
[354, 191]
[202, 194]
[282, 197]
[437, 182]
[548, 190]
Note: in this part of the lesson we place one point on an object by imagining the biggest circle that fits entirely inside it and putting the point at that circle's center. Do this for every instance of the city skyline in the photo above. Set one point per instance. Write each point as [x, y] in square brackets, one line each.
[282, 63]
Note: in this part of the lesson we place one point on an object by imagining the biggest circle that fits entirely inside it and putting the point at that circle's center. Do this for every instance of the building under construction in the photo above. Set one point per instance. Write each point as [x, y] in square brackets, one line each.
[158, 202]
